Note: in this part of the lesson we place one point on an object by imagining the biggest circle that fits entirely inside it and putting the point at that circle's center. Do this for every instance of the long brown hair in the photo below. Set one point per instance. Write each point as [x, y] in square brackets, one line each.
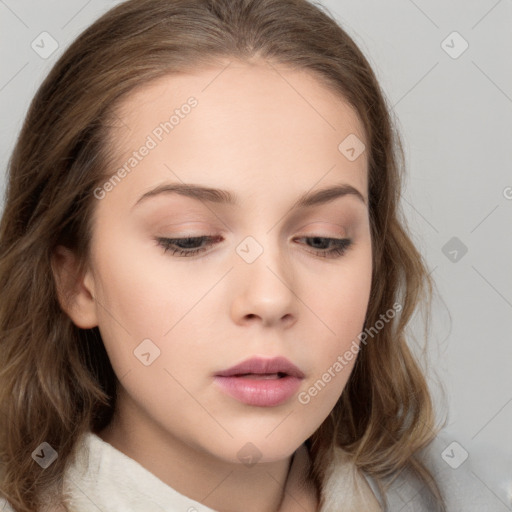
[56, 381]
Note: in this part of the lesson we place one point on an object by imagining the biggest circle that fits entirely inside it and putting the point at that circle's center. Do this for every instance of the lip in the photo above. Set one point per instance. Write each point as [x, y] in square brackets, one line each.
[261, 389]
[260, 365]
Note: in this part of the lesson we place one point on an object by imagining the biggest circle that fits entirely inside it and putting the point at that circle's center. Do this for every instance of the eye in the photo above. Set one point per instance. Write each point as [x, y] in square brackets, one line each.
[184, 247]
[328, 247]
[187, 246]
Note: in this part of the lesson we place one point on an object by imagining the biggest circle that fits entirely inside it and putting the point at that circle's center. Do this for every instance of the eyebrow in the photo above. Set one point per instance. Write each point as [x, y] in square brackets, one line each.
[219, 196]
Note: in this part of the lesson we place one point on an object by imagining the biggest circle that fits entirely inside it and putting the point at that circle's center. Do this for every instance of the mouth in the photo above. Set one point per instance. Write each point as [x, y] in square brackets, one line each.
[268, 390]
[258, 367]
[261, 382]
[262, 376]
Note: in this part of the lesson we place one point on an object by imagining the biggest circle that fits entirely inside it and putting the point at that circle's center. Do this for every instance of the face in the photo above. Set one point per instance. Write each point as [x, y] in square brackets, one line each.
[187, 284]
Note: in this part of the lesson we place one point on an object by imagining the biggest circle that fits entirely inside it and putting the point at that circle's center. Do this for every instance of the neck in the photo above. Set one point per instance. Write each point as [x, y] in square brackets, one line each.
[217, 484]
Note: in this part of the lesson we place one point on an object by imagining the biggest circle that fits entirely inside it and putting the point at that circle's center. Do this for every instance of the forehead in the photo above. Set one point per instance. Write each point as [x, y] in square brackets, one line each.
[253, 124]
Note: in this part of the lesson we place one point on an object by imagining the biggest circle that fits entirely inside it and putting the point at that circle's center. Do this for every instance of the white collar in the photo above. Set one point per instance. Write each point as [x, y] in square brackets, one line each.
[104, 478]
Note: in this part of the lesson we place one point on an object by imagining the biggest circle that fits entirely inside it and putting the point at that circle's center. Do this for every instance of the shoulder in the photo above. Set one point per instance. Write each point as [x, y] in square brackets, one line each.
[471, 477]
[474, 476]
[358, 491]
[5, 506]
[344, 483]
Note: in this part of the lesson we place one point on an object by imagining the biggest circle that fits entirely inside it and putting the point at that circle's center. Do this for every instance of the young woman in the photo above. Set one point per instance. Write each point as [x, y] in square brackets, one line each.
[205, 278]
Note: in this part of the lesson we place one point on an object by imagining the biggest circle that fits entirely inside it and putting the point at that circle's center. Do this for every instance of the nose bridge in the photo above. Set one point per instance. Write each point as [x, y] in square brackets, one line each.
[264, 279]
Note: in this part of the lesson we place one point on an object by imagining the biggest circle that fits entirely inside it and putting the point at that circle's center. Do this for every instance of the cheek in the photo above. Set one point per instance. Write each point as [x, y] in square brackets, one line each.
[343, 298]
[342, 306]
[341, 303]
[139, 285]
[145, 294]
[134, 301]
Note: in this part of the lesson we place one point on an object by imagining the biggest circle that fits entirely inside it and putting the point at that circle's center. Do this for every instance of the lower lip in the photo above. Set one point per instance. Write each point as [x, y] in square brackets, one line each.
[260, 392]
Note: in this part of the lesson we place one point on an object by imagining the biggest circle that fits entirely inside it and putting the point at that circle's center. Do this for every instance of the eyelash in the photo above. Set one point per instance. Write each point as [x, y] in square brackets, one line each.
[168, 244]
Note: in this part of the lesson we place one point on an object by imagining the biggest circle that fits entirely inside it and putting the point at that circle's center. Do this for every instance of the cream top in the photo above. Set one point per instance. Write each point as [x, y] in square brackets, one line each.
[103, 478]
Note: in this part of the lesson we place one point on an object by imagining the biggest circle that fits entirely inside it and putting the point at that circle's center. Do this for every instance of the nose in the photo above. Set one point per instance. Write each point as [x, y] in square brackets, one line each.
[263, 290]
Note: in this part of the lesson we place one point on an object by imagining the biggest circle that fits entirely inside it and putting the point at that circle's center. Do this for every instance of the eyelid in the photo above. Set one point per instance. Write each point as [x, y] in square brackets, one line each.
[319, 231]
[203, 226]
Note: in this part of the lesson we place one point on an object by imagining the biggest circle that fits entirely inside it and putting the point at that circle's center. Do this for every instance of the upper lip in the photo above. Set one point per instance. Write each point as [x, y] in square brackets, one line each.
[261, 365]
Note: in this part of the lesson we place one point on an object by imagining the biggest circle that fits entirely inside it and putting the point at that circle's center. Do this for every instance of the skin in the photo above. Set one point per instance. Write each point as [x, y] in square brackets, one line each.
[267, 134]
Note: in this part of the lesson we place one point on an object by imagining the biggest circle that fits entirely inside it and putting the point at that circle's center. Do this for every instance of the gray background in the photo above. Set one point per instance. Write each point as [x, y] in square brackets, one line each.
[454, 113]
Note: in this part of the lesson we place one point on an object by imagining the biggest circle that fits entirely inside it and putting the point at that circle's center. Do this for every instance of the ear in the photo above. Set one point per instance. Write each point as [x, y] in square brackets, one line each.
[75, 292]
